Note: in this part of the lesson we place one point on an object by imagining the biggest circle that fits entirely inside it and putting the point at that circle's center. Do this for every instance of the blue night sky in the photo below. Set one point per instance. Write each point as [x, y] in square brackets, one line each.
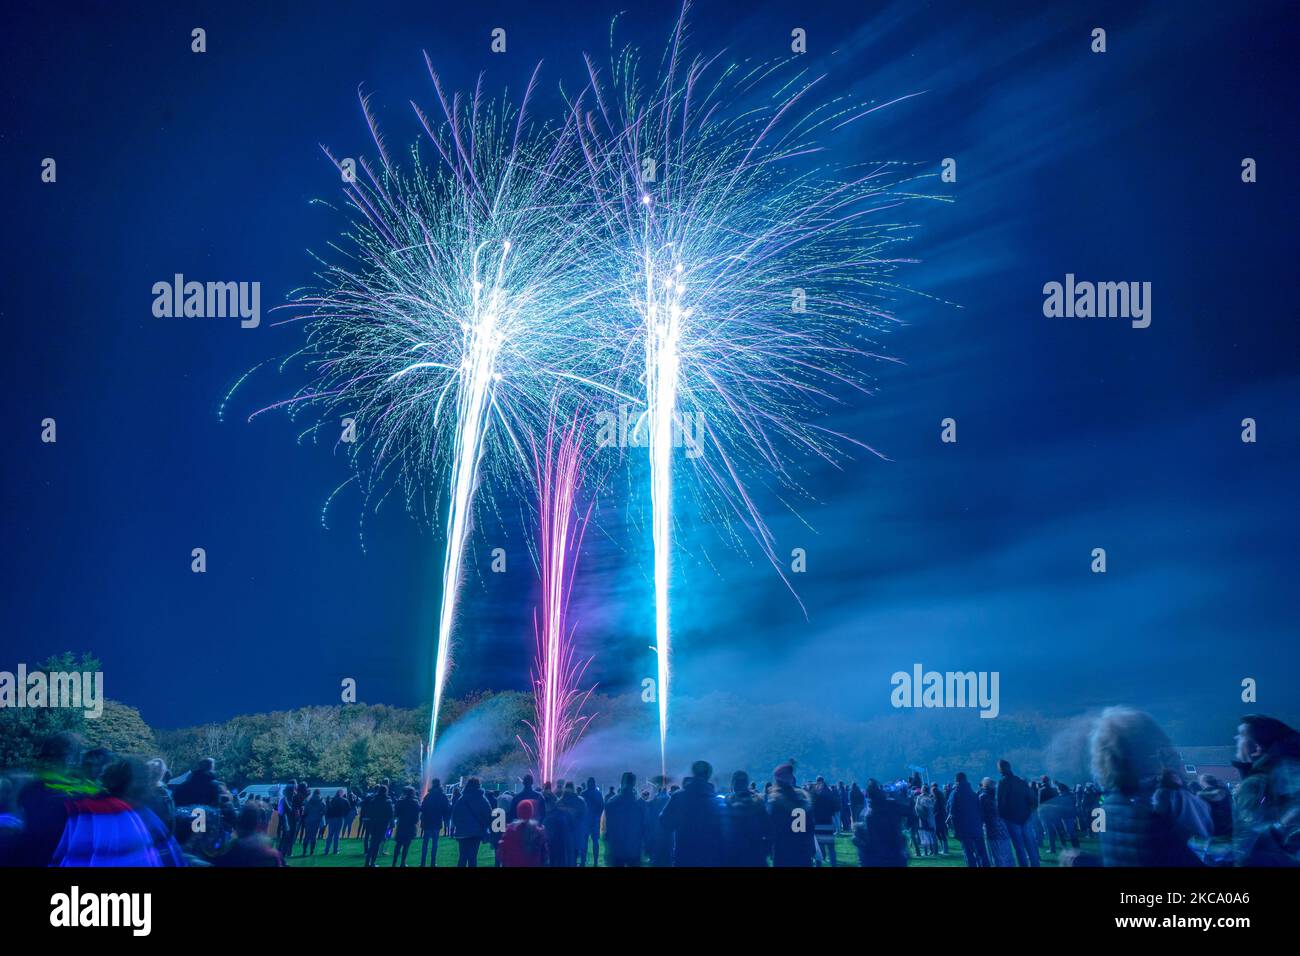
[1073, 433]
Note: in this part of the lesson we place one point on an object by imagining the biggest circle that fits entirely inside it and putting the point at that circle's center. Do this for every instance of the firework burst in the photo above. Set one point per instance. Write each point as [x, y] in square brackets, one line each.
[445, 332]
[744, 280]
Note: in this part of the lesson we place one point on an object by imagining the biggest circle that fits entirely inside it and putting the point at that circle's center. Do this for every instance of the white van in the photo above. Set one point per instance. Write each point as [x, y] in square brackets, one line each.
[267, 791]
[271, 791]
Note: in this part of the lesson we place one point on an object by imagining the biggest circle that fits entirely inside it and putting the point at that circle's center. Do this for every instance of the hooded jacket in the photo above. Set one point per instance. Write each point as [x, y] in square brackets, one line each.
[694, 817]
[625, 824]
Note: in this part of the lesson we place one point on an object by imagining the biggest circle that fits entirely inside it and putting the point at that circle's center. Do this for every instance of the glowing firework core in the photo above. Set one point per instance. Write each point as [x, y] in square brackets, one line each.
[483, 336]
[663, 318]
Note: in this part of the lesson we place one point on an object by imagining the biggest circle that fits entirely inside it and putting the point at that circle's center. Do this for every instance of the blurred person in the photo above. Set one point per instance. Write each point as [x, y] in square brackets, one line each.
[744, 824]
[157, 796]
[879, 838]
[940, 817]
[857, 803]
[525, 840]
[566, 823]
[251, 846]
[113, 827]
[406, 814]
[924, 806]
[472, 817]
[693, 815]
[1149, 815]
[595, 808]
[201, 788]
[527, 792]
[313, 817]
[659, 842]
[1266, 806]
[336, 811]
[290, 811]
[625, 824]
[995, 828]
[1016, 807]
[826, 810]
[967, 824]
[377, 814]
[788, 806]
[43, 800]
[435, 811]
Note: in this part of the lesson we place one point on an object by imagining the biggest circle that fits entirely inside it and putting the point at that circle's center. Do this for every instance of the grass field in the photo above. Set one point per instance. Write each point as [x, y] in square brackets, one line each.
[350, 855]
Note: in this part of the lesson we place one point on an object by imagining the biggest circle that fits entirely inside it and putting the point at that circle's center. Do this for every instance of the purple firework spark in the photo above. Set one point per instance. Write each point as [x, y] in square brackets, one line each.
[557, 670]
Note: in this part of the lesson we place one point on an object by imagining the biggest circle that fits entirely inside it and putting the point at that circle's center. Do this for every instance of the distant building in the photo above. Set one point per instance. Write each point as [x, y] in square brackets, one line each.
[1216, 761]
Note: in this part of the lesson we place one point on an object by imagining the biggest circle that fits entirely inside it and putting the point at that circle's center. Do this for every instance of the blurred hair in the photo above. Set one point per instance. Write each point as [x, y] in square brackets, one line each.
[1128, 747]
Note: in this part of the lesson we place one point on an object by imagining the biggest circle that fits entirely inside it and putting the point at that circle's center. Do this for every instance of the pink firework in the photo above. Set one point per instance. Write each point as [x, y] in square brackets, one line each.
[557, 670]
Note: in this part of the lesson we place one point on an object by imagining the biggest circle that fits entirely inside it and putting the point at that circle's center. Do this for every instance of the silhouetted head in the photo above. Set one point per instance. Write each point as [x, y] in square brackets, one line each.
[1257, 735]
[249, 821]
[528, 781]
[702, 770]
[739, 782]
[123, 778]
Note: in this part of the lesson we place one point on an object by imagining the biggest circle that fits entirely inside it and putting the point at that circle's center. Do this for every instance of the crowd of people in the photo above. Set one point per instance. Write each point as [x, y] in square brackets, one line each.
[92, 808]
